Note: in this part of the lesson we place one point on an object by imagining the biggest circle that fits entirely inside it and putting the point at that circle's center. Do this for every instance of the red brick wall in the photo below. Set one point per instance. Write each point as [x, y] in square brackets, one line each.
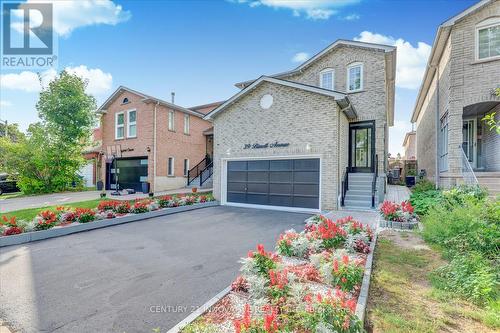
[169, 144]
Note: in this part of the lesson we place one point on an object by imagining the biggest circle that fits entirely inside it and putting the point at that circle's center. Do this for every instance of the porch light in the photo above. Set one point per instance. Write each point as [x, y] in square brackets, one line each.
[308, 146]
[228, 151]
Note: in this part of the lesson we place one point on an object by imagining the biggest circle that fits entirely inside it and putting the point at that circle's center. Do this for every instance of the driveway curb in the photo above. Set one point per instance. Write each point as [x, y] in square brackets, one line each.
[201, 310]
[71, 229]
[365, 285]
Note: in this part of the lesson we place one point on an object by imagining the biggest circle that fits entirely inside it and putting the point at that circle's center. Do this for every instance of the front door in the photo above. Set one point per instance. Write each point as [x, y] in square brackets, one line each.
[469, 142]
[361, 146]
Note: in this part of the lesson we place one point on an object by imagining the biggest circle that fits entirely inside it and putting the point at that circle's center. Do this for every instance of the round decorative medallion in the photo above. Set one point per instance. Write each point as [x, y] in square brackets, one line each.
[266, 101]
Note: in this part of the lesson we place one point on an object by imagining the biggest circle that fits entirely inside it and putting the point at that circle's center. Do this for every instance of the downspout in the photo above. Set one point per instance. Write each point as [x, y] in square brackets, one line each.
[437, 126]
[154, 147]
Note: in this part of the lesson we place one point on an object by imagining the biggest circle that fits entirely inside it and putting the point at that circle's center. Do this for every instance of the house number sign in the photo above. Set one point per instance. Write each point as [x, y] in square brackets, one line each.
[275, 144]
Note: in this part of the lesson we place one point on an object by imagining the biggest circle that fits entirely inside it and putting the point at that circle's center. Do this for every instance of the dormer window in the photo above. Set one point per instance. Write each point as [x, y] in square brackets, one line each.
[327, 79]
[488, 39]
[355, 77]
[125, 101]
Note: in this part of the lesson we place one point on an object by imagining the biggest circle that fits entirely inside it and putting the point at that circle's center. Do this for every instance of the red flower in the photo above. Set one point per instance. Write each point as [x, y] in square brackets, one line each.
[336, 266]
[407, 207]
[260, 249]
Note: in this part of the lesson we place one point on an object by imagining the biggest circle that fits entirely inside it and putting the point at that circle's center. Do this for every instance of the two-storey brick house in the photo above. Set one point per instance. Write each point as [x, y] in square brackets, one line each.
[454, 145]
[158, 141]
[312, 138]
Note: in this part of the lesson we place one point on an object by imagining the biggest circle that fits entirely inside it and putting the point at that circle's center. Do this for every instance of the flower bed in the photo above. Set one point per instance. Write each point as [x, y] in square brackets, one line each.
[310, 284]
[63, 217]
[398, 216]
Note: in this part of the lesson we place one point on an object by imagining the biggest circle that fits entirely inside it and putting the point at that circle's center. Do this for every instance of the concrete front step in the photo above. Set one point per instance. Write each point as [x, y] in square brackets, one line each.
[357, 203]
[364, 188]
[360, 192]
[360, 197]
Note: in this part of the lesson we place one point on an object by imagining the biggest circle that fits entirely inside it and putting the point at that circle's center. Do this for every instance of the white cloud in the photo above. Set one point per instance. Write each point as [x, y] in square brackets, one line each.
[4, 103]
[300, 57]
[352, 17]
[71, 14]
[99, 82]
[312, 9]
[411, 61]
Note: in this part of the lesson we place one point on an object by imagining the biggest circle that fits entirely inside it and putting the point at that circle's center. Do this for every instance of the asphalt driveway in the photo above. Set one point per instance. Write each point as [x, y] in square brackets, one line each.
[114, 279]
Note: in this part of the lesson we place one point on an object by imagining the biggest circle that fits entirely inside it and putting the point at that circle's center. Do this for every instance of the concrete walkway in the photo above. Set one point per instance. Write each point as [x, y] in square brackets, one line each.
[54, 199]
[397, 193]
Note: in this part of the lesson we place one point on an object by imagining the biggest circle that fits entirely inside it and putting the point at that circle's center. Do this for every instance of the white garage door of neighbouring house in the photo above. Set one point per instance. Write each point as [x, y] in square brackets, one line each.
[292, 183]
[87, 172]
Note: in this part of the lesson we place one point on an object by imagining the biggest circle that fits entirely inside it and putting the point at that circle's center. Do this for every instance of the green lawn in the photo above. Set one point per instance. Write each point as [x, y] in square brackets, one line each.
[30, 213]
[402, 298]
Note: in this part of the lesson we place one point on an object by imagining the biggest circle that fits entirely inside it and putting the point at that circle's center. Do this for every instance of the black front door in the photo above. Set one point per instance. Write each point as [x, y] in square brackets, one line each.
[132, 172]
[361, 146]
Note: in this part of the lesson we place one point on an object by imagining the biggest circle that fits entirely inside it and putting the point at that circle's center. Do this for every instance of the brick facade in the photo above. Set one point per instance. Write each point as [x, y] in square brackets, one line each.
[312, 123]
[174, 144]
[463, 81]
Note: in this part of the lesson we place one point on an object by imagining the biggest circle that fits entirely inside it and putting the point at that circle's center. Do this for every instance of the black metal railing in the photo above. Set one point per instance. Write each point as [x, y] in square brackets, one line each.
[345, 185]
[206, 174]
[374, 181]
[198, 169]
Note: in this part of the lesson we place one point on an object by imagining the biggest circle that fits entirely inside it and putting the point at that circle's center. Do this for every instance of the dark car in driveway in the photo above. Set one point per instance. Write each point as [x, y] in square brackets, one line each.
[7, 185]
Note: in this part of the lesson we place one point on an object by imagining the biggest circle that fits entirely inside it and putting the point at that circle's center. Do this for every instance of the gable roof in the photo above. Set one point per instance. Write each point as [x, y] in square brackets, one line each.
[337, 43]
[146, 99]
[438, 46]
[338, 96]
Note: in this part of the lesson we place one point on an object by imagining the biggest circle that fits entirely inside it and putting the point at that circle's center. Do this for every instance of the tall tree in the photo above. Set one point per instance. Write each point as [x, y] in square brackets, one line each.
[51, 156]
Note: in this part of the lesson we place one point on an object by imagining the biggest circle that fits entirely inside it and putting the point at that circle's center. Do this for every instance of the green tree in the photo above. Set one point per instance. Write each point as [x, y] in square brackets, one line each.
[13, 132]
[49, 158]
[490, 120]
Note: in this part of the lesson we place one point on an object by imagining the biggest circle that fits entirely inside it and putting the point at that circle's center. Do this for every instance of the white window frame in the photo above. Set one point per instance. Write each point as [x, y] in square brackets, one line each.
[119, 126]
[488, 23]
[129, 123]
[171, 121]
[361, 81]
[327, 71]
[186, 123]
[170, 171]
[186, 166]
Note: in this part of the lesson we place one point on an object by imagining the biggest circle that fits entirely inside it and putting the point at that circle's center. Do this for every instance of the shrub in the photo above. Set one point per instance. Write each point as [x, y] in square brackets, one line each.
[330, 314]
[84, 215]
[140, 206]
[423, 185]
[45, 220]
[422, 201]
[473, 226]
[346, 274]
[107, 205]
[470, 276]
[123, 207]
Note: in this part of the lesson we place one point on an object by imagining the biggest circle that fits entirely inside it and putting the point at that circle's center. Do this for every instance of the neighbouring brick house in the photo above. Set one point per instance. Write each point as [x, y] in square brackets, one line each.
[159, 141]
[457, 91]
[292, 140]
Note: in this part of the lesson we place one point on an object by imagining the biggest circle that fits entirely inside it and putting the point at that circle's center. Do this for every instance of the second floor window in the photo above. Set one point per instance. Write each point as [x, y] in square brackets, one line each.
[171, 121]
[327, 79]
[132, 124]
[355, 77]
[170, 166]
[488, 41]
[186, 124]
[119, 125]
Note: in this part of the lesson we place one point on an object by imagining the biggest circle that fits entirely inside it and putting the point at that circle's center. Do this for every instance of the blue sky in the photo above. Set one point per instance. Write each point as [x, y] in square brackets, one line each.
[199, 49]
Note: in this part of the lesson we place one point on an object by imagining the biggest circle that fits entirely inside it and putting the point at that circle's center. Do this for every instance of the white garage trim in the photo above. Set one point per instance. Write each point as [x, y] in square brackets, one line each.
[223, 182]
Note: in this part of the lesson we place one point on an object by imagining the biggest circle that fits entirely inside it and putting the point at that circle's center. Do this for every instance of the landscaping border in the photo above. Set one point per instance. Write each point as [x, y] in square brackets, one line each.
[71, 229]
[365, 285]
[360, 305]
[200, 311]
